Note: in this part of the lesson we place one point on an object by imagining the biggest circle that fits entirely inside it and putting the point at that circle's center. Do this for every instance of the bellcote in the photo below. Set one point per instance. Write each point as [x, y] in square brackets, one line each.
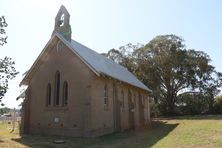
[62, 25]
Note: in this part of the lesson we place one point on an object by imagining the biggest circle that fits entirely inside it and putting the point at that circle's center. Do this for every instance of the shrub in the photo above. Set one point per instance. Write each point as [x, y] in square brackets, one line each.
[218, 105]
[192, 104]
[154, 109]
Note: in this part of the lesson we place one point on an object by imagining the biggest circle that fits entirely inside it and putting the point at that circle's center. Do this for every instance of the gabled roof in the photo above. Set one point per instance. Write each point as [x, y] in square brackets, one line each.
[98, 63]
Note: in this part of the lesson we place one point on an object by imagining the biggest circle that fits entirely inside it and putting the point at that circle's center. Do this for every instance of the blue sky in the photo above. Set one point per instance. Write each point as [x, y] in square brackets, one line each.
[105, 24]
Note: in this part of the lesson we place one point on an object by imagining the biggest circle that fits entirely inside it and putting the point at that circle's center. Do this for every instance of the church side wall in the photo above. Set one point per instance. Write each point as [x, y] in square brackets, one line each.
[104, 116]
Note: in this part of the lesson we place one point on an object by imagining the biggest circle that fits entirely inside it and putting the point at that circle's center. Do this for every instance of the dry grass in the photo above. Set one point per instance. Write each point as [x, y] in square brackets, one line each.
[187, 131]
[7, 133]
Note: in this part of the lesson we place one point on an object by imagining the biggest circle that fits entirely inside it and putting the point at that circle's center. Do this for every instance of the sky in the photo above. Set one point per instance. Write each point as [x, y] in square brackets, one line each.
[105, 24]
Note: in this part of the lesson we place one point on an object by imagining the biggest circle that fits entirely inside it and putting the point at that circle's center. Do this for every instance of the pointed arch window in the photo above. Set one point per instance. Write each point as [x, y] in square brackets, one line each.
[105, 91]
[57, 88]
[48, 95]
[65, 94]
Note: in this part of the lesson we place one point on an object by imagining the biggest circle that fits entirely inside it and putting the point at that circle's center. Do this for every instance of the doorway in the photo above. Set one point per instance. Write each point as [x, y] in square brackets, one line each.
[116, 109]
[141, 110]
[131, 111]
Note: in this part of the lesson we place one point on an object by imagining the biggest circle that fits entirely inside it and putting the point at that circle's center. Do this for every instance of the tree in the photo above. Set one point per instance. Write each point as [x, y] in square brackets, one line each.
[7, 69]
[191, 104]
[218, 104]
[4, 110]
[210, 88]
[124, 56]
[3, 24]
[161, 64]
[7, 72]
[170, 70]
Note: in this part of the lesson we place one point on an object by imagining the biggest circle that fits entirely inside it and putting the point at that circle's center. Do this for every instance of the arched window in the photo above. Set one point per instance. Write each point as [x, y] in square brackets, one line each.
[105, 91]
[48, 95]
[65, 94]
[57, 88]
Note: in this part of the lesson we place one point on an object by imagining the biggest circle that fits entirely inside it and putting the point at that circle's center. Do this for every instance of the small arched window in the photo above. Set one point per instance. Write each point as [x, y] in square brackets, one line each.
[48, 95]
[65, 94]
[105, 92]
[57, 88]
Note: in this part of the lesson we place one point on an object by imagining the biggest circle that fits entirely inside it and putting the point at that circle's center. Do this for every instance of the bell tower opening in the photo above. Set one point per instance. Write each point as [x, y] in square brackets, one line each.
[62, 25]
[61, 21]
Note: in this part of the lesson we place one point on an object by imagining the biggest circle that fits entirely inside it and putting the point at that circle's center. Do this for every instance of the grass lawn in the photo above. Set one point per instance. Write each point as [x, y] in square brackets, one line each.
[186, 131]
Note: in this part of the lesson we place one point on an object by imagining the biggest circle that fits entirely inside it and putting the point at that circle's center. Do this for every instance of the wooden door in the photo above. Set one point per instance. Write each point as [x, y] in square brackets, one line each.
[131, 111]
[116, 109]
[141, 110]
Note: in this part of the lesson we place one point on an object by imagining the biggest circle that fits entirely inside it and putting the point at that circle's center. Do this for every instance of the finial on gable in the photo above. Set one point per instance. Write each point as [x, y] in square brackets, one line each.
[62, 25]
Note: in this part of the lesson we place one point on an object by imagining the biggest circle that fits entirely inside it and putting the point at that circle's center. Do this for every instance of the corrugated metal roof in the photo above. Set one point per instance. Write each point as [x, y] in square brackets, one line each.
[105, 66]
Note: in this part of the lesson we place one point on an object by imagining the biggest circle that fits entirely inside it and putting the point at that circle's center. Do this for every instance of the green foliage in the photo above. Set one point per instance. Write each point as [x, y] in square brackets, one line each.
[192, 104]
[3, 25]
[7, 72]
[154, 109]
[168, 68]
[4, 110]
[218, 105]
[125, 56]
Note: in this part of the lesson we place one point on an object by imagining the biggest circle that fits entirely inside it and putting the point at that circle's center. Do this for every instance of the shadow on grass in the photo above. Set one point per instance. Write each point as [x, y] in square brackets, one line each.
[146, 137]
[158, 130]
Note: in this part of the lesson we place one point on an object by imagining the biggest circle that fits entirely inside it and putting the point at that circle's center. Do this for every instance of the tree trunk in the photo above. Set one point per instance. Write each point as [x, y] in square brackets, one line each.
[170, 105]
